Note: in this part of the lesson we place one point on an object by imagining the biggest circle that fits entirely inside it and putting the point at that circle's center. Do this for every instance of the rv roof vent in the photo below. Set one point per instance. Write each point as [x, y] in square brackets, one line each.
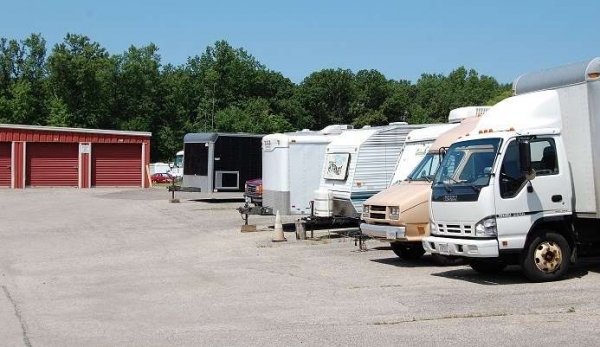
[458, 114]
[335, 129]
[398, 123]
[305, 130]
[366, 127]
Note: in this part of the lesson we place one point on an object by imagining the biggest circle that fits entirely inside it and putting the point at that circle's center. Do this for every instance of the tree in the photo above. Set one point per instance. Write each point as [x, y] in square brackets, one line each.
[507, 93]
[81, 76]
[138, 91]
[22, 80]
[252, 116]
[327, 96]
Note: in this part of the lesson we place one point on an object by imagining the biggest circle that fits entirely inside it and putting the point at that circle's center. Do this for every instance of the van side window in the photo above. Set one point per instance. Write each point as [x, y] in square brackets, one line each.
[511, 177]
[543, 157]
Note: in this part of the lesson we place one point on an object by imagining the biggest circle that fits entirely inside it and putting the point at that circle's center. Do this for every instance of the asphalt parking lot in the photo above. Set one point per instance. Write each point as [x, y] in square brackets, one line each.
[122, 267]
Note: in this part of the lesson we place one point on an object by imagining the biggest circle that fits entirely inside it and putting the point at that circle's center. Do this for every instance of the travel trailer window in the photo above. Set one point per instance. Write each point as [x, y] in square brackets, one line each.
[337, 166]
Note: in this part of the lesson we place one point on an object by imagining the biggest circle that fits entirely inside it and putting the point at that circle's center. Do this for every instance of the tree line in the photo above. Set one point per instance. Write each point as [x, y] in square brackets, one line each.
[225, 89]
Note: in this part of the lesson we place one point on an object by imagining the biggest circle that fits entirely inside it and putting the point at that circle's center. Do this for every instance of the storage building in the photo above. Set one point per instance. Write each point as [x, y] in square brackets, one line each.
[40, 156]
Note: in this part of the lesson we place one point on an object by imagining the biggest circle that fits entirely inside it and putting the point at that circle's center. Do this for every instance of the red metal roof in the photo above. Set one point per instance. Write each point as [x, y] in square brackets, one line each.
[34, 133]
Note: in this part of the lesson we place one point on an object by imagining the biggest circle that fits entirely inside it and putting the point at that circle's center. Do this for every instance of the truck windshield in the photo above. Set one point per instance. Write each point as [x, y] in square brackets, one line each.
[426, 169]
[468, 164]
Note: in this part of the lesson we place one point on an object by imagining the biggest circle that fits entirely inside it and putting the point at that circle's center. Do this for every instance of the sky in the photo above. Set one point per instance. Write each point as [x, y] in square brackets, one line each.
[400, 38]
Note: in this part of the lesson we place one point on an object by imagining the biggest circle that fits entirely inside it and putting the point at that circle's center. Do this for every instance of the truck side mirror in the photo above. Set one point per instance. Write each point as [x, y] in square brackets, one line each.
[525, 158]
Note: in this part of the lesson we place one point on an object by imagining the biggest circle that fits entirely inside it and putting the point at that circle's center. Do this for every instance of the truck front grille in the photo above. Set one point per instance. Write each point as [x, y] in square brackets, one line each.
[454, 229]
[377, 212]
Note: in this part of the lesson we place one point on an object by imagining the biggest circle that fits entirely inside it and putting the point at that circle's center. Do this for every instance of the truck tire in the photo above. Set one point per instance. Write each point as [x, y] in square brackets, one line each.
[408, 251]
[487, 266]
[547, 258]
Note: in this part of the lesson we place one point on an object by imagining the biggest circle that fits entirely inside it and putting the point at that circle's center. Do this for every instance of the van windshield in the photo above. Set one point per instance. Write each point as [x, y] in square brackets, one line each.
[426, 169]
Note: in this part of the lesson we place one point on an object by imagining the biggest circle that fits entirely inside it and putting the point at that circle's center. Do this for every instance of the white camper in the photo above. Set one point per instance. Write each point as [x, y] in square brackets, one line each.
[290, 161]
[358, 164]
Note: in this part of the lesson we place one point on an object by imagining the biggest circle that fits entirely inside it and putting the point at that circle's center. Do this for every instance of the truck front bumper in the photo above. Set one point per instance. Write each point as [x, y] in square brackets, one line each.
[383, 231]
[486, 248]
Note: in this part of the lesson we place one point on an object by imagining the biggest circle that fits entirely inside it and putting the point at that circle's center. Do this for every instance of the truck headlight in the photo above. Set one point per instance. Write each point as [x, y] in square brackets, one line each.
[486, 227]
[433, 229]
[366, 210]
[394, 212]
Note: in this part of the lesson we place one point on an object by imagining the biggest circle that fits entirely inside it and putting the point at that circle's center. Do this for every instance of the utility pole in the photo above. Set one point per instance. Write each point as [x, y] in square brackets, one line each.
[213, 107]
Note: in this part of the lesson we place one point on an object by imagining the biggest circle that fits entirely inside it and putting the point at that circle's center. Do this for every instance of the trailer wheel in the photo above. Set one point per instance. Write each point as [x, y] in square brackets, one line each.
[487, 266]
[547, 257]
[408, 251]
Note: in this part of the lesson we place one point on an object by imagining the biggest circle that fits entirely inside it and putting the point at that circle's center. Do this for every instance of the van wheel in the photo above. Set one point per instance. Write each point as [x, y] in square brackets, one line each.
[408, 251]
[487, 266]
[547, 257]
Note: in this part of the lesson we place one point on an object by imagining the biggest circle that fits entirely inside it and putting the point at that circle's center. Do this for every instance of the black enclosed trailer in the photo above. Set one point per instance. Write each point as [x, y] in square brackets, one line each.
[221, 162]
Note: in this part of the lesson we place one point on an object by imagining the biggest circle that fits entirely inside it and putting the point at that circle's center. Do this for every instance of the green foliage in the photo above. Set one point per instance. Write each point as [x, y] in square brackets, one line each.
[252, 116]
[225, 89]
[503, 95]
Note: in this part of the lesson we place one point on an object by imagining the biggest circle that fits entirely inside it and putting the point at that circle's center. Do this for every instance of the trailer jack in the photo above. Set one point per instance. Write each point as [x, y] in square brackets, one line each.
[245, 212]
[359, 240]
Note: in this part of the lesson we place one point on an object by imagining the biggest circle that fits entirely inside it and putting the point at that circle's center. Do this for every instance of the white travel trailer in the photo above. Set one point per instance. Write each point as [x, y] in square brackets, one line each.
[358, 164]
[525, 188]
[290, 161]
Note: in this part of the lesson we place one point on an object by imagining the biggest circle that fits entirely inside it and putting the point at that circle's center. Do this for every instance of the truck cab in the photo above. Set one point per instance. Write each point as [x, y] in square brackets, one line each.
[522, 188]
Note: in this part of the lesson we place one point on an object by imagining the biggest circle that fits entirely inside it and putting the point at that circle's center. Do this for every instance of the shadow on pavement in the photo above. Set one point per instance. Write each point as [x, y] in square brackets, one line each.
[513, 274]
[425, 261]
[218, 200]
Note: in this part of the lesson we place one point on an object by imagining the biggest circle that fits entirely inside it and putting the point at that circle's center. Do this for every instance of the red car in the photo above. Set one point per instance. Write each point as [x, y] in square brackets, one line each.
[161, 178]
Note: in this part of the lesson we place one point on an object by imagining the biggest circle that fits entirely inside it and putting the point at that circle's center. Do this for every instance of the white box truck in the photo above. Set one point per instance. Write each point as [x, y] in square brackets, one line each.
[525, 189]
[400, 214]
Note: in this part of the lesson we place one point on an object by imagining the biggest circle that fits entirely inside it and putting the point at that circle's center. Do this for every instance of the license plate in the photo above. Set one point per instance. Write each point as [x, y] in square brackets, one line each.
[444, 249]
[391, 234]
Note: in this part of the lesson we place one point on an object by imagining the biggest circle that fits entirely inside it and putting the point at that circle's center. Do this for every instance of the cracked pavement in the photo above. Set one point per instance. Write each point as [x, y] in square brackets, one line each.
[123, 267]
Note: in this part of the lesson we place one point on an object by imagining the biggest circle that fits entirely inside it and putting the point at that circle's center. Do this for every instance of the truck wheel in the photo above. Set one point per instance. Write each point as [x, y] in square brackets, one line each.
[408, 251]
[487, 266]
[547, 257]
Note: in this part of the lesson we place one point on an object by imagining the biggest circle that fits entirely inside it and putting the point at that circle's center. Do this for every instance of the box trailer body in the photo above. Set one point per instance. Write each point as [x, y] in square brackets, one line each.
[535, 199]
[290, 168]
[221, 162]
[358, 164]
